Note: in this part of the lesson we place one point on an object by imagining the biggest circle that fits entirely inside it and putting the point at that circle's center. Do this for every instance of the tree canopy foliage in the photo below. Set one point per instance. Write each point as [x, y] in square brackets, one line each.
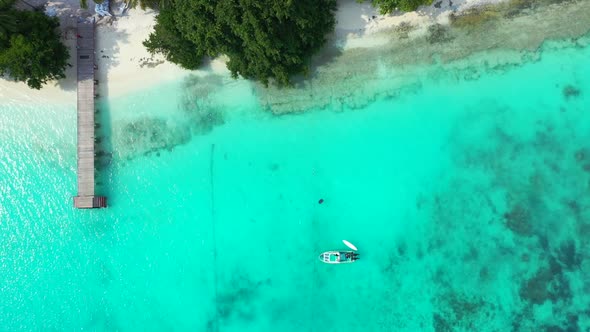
[166, 39]
[7, 22]
[263, 39]
[30, 49]
[388, 6]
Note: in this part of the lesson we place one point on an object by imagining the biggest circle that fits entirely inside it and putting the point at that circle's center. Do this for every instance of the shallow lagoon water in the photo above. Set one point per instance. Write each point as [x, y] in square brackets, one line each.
[467, 197]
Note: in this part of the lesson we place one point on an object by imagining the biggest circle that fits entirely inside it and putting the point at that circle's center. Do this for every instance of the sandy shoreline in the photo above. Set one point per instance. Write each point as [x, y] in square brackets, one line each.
[125, 66]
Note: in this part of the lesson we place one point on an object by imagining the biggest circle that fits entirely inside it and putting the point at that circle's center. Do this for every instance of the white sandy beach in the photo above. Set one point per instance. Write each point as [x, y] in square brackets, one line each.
[124, 65]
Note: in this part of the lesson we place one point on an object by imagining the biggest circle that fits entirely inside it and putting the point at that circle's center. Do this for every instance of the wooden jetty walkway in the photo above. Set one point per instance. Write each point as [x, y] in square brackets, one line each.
[86, 198]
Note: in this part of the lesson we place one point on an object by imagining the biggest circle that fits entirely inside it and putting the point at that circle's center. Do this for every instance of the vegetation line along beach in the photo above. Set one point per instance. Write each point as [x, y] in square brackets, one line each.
[153, 42]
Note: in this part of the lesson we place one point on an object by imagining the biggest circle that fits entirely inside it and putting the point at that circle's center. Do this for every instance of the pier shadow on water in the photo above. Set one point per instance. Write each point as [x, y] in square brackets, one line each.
[104, 149]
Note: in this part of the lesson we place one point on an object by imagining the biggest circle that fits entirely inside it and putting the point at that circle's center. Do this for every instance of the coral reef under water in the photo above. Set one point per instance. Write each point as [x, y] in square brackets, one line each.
[521, 217]
[202, 112]
[149, 135]
[235, 301]
[519, 220]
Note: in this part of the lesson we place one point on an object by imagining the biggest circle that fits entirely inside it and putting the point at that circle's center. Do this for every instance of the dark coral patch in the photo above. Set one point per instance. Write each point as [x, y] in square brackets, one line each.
[573, 206]
[568, 256]
[570, 91]
[460, 311]
[484, 273]
[464, 307]
[440, 324]
[518, 220]
[553, 328]
[547, 284]
[536, 289]
[234, 302]
[582, 157]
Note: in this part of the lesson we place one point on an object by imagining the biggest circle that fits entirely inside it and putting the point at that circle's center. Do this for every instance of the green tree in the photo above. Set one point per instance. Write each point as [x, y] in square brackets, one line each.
[166, 39]
[388, 6]
[7, 24]
[33, 52]
[263, 39]
[6, 4]
[7, 21]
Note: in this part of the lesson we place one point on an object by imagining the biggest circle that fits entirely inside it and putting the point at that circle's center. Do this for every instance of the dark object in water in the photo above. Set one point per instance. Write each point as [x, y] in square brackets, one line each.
[580, 154]
[321, 201]
[570, 91]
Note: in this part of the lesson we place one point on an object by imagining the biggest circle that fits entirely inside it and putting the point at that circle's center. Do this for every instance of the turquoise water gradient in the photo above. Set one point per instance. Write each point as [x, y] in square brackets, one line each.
[468, 200]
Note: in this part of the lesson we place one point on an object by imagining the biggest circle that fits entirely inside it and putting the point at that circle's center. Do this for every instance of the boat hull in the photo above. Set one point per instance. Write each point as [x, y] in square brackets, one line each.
[338, 257]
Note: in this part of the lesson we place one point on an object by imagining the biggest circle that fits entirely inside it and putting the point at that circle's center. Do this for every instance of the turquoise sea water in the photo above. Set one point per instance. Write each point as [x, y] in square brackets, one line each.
[467, 197]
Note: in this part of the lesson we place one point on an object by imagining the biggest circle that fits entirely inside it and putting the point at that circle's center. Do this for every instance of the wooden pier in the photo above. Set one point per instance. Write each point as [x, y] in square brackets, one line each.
[86, 198]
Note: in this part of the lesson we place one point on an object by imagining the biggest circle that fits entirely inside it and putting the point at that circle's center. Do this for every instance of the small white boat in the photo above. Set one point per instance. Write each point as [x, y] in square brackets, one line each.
[338, 257]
